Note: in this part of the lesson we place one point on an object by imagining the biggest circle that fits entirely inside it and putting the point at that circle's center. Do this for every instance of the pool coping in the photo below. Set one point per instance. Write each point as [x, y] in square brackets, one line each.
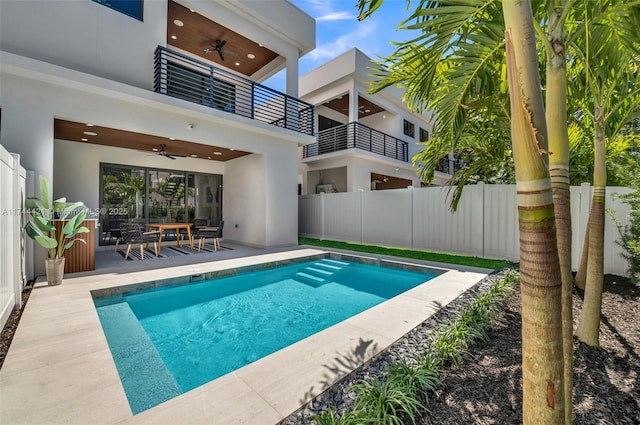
[59, 367]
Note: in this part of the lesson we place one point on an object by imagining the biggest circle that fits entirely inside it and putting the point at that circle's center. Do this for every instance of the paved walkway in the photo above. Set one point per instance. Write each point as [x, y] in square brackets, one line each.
[59, 368]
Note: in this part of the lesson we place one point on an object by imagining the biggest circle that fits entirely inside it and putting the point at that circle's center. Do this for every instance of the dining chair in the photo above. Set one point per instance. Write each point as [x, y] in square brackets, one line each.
[131, 233]
[209, 232]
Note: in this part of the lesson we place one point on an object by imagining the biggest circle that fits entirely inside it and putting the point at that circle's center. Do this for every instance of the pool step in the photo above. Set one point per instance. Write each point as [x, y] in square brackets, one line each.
[328, 266]
[310, 280]
[322, 272]
[336, 262]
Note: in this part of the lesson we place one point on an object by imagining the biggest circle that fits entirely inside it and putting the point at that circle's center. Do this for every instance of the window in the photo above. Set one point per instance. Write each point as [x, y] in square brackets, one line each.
[131, 8]
[424, 135]
[409, 129]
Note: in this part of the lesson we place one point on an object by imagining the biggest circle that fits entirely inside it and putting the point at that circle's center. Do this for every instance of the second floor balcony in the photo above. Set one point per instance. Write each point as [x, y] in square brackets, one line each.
[448, 166]
[187, 78]
[356, 135]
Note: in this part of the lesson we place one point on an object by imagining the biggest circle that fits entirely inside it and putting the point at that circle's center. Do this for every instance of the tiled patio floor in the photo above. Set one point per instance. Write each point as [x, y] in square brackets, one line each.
[59, 368]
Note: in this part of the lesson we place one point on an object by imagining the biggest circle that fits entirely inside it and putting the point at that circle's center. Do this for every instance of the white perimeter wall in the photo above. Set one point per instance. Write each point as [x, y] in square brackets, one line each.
[12, 249]
[485, 224]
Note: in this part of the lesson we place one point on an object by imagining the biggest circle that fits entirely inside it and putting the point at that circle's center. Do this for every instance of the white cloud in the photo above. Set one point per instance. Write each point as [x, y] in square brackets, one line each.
[361, 37]
[336, 16]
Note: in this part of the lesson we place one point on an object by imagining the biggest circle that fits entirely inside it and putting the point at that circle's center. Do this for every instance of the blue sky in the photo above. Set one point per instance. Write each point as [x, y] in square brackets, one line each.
[338, 30]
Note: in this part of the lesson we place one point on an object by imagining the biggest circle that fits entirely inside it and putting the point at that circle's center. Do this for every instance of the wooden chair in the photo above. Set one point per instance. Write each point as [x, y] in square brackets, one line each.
[132, 233]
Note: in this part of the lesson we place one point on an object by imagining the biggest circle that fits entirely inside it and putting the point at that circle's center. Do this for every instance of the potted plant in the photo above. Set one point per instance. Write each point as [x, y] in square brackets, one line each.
[43, 230]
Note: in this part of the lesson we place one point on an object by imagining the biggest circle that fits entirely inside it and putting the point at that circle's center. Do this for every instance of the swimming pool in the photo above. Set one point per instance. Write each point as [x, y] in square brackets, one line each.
[170, 340]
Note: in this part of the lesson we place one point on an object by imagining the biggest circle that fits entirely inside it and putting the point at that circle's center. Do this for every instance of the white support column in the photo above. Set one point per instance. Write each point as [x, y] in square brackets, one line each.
[292, 74]
[353, 104]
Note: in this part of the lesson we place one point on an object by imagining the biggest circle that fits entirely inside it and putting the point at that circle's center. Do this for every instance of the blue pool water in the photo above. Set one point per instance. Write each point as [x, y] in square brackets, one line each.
[170, 340]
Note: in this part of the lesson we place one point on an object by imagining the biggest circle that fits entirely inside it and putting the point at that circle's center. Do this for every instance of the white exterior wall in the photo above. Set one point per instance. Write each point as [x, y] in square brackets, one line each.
[92, 38]
[86, 36]
[76, 173]
[30, 105]
[244, 200]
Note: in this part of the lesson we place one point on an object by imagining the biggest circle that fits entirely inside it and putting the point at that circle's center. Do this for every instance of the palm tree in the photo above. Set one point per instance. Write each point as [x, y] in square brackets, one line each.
[462, 44]
[608, 79]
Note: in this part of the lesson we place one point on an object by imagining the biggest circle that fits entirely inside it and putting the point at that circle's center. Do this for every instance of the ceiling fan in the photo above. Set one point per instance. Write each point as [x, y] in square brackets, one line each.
[219, 47]
[162, 152]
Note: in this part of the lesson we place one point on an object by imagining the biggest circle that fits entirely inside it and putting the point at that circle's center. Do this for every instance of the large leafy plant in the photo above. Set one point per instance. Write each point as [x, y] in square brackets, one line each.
[42, 229]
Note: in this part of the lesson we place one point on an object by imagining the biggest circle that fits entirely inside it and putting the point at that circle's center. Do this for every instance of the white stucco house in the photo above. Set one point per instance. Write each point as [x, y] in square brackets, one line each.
[364, 141]
[153, 109]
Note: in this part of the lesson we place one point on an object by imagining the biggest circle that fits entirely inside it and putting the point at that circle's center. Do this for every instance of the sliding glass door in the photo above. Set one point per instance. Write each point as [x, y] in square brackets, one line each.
[149, 195]
[204, 200]
[122, 197]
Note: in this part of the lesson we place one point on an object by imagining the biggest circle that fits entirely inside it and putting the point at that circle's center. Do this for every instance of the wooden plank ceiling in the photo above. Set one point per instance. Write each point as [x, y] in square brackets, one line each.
[105, 136]
[198, 35]
[365, 107]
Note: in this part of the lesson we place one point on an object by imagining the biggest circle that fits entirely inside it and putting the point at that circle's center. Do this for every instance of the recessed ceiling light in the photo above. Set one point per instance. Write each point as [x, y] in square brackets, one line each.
[231, 149]
[208, 157]
[384, 116]
[251, 56]
[260, 45]
[193, 155]
[192, 10]
[84, 140]
[173, 37]
[89, 125]
[367, 110]
[90, 133]
[217, 153]
[155, 149]
[178, 22]
[172, 138]
[237, 63]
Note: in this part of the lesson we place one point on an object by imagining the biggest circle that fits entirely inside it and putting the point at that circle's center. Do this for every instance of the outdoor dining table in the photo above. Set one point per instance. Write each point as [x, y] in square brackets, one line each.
[161, 227]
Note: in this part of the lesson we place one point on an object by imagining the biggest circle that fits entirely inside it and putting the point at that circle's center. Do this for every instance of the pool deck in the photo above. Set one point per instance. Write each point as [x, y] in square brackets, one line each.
[59, 368]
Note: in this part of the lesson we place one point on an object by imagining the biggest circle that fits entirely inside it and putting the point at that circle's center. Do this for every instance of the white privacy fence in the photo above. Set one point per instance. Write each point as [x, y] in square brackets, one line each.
[485, 224]
[12, 249]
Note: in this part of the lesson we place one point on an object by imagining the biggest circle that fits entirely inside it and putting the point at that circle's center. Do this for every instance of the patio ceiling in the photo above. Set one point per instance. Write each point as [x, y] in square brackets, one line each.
[389, 182]
[195, 33]
[365, 107]
[105, 136]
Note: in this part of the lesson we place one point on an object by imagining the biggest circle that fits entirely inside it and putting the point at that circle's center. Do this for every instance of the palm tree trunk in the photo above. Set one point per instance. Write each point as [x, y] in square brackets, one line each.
[542, 357]
[556, 114]
[581, 275]
[589, 325]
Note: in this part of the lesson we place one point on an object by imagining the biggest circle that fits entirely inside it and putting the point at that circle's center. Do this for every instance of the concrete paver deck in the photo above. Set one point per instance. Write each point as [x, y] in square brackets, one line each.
[59, 368]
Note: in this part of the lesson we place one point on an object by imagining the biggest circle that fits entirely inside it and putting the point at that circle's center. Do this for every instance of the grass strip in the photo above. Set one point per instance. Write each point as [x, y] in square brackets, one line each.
[437, 257]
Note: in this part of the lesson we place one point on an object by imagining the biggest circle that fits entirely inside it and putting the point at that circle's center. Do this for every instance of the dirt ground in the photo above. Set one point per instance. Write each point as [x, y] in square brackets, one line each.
[486, 389]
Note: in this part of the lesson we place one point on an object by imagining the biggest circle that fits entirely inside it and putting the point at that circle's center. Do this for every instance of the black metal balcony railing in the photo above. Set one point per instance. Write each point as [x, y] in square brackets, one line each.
[181, 76]
[448, 166]
[356, 135]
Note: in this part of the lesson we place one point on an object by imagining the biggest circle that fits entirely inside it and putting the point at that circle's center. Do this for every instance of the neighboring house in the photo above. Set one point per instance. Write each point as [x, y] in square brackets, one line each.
[364, 141]
[151, 110]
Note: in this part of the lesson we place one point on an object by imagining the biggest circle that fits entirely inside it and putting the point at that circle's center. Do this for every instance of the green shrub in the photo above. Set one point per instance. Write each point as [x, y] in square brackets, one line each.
[420, 379]
[630, 234]
[329, 417]
[386, 402]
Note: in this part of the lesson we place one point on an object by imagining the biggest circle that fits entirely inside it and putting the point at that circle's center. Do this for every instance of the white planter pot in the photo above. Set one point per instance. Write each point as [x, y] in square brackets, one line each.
[55, 270]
